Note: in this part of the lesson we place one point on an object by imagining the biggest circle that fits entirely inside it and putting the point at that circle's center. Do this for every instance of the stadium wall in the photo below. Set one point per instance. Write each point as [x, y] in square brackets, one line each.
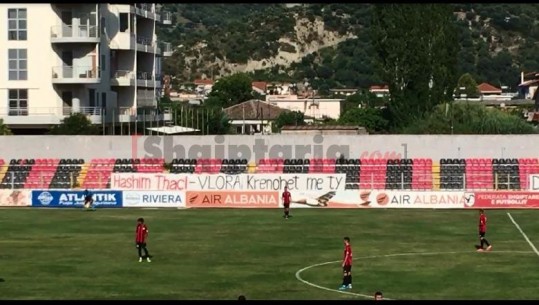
[259, 191]
[257, 147]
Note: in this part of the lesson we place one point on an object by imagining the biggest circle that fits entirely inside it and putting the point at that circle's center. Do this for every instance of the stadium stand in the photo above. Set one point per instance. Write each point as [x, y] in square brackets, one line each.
[396, 174]
[17, 173]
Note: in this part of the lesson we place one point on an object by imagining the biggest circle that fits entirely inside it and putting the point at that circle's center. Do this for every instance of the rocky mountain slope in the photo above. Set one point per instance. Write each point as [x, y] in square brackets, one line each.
[328, 43]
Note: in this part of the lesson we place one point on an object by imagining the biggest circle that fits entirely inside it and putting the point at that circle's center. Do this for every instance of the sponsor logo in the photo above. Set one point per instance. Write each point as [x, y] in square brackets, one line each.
[45, 198]
[469, 199]
[132, 197]
[411, 199]
[153, 199]
[258, 199]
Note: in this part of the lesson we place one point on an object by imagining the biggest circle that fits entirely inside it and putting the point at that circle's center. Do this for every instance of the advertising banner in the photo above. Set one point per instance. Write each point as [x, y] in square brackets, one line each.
[75, 198]
[232, 199]
[346, 199]
[503, 200]
[533, 183]
[14, 198]
[153, 199]
[222, 182]
[379, 199]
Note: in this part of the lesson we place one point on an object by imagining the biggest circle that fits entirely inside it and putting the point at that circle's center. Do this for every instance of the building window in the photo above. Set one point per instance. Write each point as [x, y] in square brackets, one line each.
[18, 64]
[16, 20]
[124, 22]
[18, 101]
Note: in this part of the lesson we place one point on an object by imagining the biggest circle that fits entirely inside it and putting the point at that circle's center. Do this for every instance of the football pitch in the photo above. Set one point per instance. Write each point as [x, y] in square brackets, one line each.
[220, 254]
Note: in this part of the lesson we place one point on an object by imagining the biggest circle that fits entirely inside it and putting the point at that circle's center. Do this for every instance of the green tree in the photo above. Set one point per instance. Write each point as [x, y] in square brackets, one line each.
[4, 130]
[416, 47]
[370, 118]
[470, 118]
[75, 124]
[230, 90]
[467, 82]
[365, 99]
[296, 118]
[209, 120]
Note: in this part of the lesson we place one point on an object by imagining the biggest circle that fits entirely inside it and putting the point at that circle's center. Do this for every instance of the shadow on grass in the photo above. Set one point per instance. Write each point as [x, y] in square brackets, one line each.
[2, 280]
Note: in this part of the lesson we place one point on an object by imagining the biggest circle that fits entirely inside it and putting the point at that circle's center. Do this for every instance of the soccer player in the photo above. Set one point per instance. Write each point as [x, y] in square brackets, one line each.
[286, 202]
[88, 199]
[140, 239]
[347, 265]
[483, 231]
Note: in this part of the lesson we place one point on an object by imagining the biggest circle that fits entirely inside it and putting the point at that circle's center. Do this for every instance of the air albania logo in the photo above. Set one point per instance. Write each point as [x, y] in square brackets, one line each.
[469, 199]
[45, 198]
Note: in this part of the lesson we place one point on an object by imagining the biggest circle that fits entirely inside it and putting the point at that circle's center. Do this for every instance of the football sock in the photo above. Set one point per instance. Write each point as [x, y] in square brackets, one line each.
[146, 252]
[139, 252]
[482, 242]
[350, 279]
[344, 280]
[486, 242]
[286, 212]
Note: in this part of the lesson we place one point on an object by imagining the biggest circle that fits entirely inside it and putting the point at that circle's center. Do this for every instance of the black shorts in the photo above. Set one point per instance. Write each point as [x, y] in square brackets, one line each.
[141, 245]
[347, 268]
[286, 205]
[88, 198]
[481, 234]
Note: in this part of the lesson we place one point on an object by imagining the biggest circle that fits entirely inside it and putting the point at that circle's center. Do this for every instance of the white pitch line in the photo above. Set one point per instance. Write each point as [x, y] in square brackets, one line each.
[298, 276]
[523, 234]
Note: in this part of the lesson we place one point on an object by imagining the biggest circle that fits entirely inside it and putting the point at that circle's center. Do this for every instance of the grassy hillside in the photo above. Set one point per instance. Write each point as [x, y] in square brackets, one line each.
[329, 43]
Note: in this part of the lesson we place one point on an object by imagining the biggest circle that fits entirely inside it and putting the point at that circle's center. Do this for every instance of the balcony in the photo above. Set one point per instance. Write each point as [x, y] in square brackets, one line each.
[75, 75]
[129, 114]
[45, 116]
[123, 78]
[74, 34]
[145, 44]
[145, 10]
[146, 79]
[166, 18]
[166, 47]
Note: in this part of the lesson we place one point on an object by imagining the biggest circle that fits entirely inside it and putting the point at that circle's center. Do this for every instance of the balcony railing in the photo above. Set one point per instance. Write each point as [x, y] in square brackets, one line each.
[75, 33]
[145, 76]
[96, 111]
[145, 7]
[147, 41]
[76, 74]
[124, 74]
[166, 18]
[166, 47]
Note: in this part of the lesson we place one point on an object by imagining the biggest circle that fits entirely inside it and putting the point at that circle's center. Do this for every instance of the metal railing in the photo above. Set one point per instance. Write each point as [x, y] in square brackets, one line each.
[166, 18]
[48, 111]
[124, 74]
[75, 72]
[18, 111]
[143, 40]
[145, 7]
[69, 31]
[97, 111]
[145, 76]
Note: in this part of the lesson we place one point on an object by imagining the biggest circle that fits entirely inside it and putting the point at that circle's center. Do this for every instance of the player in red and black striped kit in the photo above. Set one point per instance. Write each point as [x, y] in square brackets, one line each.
[140, 239]
[483, 231]
[347, 265]
[286, 202]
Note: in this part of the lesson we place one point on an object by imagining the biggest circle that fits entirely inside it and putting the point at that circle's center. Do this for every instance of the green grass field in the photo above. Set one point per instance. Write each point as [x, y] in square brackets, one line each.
[220, 254]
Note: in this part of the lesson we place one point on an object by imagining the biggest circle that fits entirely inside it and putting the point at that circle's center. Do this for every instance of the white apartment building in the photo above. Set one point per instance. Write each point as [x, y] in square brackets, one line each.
[102, 60]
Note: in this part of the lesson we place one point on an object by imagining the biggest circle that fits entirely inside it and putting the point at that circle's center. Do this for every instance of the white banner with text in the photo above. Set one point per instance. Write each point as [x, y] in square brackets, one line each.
[318, 183]
[153, 199]
[380, 199]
